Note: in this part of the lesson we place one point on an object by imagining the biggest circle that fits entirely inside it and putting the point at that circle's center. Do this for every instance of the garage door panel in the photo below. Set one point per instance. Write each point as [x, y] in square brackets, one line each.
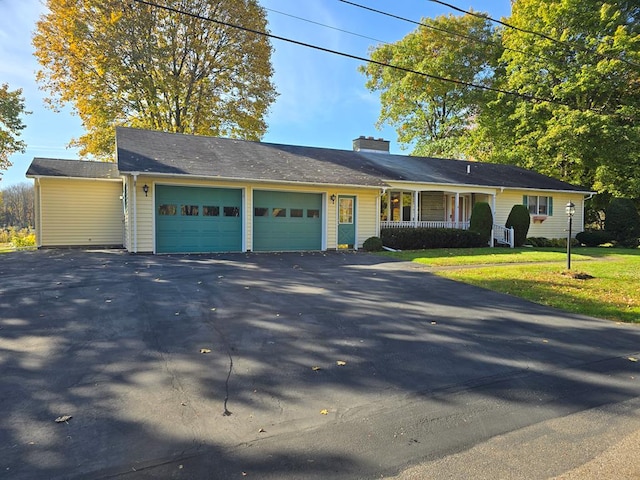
[287, 221]
[193, 220]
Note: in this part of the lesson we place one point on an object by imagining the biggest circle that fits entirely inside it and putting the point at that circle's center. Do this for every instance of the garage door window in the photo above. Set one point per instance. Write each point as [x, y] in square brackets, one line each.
[311, 213]
[167, 209]
[261, 212]
[189, 210]
[296, 212]
[279, 212]
[231, 211]
[210, 211]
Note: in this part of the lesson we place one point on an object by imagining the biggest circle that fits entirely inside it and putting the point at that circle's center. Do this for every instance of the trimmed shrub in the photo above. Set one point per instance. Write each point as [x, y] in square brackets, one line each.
[622, 221]
[543, 242]
[425, 238]
[372, 244]
[593, 238]
[520, 220]
[482, 221]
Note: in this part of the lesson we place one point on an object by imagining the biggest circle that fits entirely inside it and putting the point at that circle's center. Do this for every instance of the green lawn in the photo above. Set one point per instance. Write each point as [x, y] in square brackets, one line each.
[540, 275]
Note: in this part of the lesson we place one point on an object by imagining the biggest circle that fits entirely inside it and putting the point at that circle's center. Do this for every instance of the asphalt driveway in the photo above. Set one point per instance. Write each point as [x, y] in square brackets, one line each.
[336, 365]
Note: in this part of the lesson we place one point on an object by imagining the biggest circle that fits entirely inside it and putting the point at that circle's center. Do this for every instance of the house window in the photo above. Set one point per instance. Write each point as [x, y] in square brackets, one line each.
[189, 210]
[210, 211]
[396, 206]
[539, 205]
[296, 212]
[167, 209]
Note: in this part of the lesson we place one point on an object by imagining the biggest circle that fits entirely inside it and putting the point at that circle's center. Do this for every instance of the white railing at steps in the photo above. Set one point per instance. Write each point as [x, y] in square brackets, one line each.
[425, 224]
[501, 234]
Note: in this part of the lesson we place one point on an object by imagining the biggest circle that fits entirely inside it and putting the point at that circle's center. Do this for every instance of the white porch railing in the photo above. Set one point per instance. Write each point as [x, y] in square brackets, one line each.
[425, 224]
[500, 234]
[503, 235]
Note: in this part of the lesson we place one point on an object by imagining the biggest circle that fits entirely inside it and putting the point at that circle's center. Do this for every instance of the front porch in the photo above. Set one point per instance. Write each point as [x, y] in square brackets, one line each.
[437, 209]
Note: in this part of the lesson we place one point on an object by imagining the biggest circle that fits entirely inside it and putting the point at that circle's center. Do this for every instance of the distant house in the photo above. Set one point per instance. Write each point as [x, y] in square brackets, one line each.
[174, 193]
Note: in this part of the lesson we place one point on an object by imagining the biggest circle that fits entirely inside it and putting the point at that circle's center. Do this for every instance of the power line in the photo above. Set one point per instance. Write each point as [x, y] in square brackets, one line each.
[354, 57]
[324, 25]
[440, 29]
[532, 32]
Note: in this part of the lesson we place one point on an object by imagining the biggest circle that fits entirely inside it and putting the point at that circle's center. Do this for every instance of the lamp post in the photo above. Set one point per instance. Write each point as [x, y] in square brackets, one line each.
[571, 210]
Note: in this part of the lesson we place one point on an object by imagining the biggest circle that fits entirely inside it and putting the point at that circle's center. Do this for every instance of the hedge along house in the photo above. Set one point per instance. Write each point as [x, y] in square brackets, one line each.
[192, 194]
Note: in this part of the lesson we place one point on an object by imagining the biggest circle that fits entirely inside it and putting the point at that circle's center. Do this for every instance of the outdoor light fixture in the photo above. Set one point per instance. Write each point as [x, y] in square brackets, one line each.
[333, 198]
[571, 210]
[145, 189]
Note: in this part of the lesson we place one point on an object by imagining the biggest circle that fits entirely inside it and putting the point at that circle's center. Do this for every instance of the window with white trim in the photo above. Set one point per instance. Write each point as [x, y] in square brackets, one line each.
[539, 205]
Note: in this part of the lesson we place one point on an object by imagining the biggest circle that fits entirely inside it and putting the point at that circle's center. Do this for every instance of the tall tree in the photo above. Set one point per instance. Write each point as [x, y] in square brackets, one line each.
[429, 114]
[11, 108]
[127, 63]
[588, 68]
[16, 206]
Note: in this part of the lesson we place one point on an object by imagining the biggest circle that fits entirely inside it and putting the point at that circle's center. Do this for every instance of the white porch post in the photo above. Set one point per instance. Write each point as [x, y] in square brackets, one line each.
[456, 208]
[416, 210]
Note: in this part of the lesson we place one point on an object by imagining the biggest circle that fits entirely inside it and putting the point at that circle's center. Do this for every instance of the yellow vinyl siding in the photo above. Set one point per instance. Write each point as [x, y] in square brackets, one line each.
[367, 214]
[80, 212]
[553, 226]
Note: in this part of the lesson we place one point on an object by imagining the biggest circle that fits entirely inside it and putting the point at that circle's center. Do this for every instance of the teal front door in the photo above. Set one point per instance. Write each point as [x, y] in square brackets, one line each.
[198, 219]
[286, 221]
[346, 221]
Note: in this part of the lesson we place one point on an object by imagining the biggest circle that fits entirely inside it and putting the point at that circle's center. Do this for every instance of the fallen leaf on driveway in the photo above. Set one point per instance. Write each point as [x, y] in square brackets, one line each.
[315, 369]
[205, 350]
[324, 411]
[341, 363]
[633, 359]
[262, 430]
[63, 418]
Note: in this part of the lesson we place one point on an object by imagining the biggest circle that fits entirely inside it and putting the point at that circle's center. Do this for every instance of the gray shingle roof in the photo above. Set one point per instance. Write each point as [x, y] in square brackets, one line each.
[153, 152]
[148, 151]
[54, 167]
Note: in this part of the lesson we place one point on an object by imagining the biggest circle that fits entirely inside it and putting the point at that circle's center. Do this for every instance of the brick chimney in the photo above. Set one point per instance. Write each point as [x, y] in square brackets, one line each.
[370, 144]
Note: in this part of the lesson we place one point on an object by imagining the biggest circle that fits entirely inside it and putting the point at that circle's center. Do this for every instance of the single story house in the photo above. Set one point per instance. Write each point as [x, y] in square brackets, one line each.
[176, 193]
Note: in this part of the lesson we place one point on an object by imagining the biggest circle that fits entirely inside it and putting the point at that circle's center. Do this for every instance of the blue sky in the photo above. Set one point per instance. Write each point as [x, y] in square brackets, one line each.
[322, 98]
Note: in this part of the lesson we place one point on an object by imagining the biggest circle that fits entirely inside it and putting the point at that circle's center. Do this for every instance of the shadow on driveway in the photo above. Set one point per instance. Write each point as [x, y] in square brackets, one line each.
[430, 366]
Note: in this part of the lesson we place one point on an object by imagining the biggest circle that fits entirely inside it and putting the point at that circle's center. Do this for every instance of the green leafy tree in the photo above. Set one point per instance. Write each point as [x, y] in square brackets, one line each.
[125, 63]
[430, 114]
[623, 221]
[588, 133]
[11, 126]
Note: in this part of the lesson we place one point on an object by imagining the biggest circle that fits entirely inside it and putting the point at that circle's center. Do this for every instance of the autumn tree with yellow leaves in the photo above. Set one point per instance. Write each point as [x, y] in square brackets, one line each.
[173, 69]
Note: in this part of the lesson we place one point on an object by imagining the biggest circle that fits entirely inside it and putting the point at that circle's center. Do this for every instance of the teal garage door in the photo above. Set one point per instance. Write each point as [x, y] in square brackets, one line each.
[286, 221]
[198, 220]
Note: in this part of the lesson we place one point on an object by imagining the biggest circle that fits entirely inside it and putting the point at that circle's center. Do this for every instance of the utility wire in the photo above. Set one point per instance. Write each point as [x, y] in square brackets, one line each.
[326, 26]
[532, 32]
[440, 29]
[354, 57]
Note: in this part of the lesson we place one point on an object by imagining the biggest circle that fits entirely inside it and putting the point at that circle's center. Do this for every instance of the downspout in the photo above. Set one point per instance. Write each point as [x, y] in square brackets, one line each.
[38, 217]
[135, 213]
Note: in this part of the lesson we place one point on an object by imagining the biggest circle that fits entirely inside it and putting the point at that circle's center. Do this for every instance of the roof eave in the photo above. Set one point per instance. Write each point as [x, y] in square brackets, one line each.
[254, 180]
